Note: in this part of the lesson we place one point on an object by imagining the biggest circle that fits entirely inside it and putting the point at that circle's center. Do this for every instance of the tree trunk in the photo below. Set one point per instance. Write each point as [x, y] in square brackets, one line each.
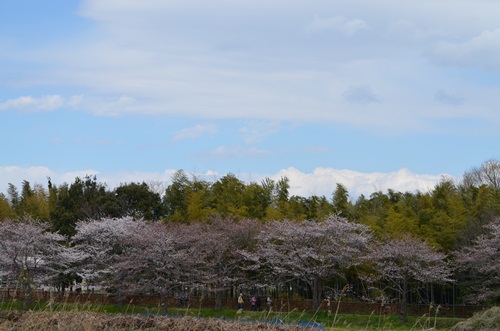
[120, 299]
[51, 300]
[316, 293]
[27, 289]
[28, 297]
[218, 300]
[164, 304]
[402, 308]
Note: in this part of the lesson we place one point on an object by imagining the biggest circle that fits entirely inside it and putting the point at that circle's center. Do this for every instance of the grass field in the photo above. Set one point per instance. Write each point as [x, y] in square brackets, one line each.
[141, 318]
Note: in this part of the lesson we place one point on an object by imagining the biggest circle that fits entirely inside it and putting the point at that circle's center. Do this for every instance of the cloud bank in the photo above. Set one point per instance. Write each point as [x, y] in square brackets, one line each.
[282, 60]
[322, 181]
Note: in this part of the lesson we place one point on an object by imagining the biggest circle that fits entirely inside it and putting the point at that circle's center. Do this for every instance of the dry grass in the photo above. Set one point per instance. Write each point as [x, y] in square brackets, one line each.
[488, 320]
[88, 321]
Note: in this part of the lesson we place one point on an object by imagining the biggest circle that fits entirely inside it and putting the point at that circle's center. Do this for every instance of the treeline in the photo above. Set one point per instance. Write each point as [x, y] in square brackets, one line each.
[332, 258]
[447, 217]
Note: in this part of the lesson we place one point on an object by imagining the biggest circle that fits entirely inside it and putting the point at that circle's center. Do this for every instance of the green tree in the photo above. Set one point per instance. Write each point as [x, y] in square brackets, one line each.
[482, 204]
[373, 212]
[402, 216]
[282, 189]
[297, 209]
[228, 193]
[280, 207]
[174, 200]
[310, 208]
[137, 201]
[340, 200]
[25, 199]
[199, 199]
[5, 211]
[362, 214]
[424, 209]
[14, 197]
[450, 216]
[34, 202]
[397, 223]
[256, 199]
[52, 195]
[84, 199]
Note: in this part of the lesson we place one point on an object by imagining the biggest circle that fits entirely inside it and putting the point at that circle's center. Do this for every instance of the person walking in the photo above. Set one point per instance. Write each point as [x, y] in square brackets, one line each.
[253, 303]
[240, 301]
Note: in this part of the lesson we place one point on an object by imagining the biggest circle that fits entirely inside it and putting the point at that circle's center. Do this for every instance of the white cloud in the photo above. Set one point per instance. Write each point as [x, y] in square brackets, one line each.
[348, 27]
[14, 174]
[44, 103]
[165, 57]
[112, 106]
[195, 132]
[481, 51]
[322, 181]
[406, 29]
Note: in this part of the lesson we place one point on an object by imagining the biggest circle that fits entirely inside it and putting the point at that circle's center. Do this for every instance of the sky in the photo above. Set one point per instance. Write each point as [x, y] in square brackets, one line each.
[373, 95]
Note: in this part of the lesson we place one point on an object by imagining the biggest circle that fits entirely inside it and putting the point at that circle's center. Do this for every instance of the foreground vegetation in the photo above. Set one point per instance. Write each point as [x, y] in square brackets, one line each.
[76, 317]
[488, 320]
[57, 316]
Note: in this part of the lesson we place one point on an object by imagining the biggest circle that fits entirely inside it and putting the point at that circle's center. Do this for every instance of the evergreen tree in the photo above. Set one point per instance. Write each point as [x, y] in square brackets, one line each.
[340, 200]
[14, 198]
[137, 201]
[175, 198]
[82, 200]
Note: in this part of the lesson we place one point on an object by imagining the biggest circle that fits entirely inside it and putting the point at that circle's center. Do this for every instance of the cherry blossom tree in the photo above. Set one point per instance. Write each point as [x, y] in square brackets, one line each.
[101, 243]
[30, 254]
[481, 262]
[159, 259]
[219, 246]
[135, 256]
[405, 264]
[311, 251]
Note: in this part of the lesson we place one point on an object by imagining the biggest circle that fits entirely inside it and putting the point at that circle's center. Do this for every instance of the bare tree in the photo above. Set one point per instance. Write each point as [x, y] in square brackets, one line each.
[481, 262]
[30, 254]
[487, 174]
[405, 264]
[311, 251]
[157, 186]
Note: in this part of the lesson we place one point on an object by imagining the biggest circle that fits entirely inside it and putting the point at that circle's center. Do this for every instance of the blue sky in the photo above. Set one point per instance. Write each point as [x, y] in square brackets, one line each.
[371, 94]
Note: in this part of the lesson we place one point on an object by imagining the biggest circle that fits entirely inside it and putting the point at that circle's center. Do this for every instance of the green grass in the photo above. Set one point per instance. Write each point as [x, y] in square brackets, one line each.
[342, 321]
[349, 322]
